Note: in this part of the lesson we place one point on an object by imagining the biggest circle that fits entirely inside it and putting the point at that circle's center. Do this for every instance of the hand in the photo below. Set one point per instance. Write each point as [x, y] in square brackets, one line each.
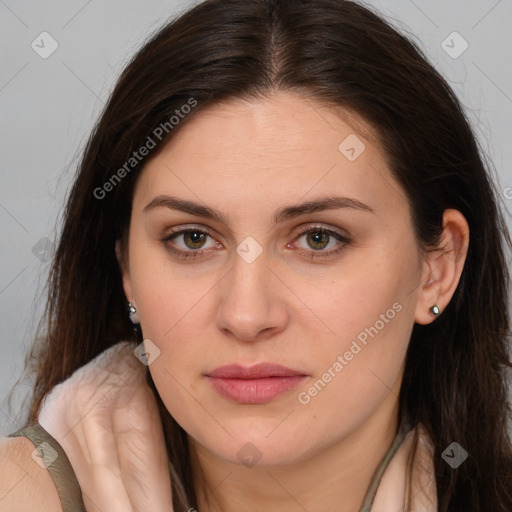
[106, 419]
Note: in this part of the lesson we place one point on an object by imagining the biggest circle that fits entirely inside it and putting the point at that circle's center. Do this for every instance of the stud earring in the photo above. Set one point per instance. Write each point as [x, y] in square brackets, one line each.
[132, 312]
[435, 310]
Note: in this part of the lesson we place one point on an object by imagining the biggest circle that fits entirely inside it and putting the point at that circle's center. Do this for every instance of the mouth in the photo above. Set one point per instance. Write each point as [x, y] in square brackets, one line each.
[256, 384]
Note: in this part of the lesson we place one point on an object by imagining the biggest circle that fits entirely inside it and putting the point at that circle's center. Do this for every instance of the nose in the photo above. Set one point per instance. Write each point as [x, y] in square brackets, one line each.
[252, 303]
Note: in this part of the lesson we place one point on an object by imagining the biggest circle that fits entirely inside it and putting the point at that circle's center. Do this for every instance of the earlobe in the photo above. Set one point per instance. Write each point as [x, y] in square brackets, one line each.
[443, 268]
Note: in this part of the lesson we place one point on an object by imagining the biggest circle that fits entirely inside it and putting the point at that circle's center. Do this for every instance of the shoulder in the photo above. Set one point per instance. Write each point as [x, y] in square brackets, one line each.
[24, 484]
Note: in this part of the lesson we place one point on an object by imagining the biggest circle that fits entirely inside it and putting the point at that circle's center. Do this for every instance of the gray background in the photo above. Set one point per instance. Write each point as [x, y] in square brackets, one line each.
[48, 107]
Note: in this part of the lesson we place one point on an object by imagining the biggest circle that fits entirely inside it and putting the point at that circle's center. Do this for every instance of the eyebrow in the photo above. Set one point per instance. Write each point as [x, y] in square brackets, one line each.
[282, 214]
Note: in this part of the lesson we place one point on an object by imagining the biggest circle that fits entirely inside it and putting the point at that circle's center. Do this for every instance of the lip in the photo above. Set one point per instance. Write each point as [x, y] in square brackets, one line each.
[257, 371]
[254, 384]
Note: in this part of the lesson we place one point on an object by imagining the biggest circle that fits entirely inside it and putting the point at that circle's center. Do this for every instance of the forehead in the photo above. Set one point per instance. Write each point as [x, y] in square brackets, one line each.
[273, 150]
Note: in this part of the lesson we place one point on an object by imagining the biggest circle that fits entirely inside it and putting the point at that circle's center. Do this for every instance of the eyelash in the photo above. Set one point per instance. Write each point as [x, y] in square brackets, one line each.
[192, 254]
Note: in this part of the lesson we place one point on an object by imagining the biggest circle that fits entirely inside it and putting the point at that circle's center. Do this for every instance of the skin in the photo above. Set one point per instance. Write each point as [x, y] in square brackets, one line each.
[247, 160]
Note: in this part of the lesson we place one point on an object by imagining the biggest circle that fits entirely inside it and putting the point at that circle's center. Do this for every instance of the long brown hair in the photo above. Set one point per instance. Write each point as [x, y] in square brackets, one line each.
[342, 53]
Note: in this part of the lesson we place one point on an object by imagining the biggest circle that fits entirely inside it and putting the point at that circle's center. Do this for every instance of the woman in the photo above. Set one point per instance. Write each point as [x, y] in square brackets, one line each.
[291, 204]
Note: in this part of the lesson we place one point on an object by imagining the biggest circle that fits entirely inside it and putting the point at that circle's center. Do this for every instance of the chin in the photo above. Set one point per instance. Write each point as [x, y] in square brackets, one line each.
[254, 450]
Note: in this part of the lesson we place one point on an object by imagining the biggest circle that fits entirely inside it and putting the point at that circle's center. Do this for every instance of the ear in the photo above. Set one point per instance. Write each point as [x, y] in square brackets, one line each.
[125, 272]
[442, 267]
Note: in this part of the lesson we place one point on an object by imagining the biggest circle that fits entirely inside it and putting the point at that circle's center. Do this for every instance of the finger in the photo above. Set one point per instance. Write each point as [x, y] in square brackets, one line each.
[90, 442]
[143, 453]
[93, 455]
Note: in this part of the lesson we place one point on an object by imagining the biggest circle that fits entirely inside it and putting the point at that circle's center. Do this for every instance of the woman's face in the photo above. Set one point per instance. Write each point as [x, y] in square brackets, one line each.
[274, 277]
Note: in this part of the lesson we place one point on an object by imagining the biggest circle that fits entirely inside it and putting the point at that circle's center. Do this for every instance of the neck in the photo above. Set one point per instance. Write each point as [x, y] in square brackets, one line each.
[335, 478]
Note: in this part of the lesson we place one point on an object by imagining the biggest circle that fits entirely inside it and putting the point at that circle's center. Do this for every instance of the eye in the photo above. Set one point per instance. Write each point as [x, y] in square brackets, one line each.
[192, 238]
[193, 242]
[318, 238]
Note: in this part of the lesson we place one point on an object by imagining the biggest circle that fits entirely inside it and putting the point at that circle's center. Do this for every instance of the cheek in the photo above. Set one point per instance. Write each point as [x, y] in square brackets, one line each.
[165, 292]
[360, 367]
[370, 315]
[172, 307]
[372, 296]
